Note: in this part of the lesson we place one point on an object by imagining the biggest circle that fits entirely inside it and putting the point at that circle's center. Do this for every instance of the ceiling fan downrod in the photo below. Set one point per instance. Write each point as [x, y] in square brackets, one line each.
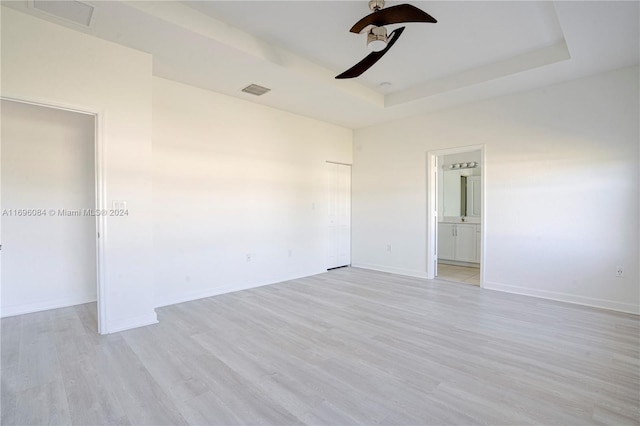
[377, 36]
[376, 5]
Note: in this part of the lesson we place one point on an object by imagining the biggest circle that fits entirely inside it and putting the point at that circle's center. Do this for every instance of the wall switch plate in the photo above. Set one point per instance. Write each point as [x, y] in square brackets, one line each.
[249, 257]
[388, 247]
[119, 205]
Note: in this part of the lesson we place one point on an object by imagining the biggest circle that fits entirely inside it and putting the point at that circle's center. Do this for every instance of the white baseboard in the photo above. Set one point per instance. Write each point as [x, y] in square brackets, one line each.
[210, 292]
[129, 323]
[459, 263]
[565, 297]
[216, 291]
[525, 291]
[391, 270]
[29, 308]
[544, 294]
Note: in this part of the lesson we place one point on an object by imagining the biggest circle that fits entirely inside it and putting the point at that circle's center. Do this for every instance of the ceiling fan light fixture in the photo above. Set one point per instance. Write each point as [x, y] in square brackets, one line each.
[377, 39]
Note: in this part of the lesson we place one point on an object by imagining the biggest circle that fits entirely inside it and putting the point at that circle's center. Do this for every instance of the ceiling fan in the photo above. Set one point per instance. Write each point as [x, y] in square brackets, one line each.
[377, 39]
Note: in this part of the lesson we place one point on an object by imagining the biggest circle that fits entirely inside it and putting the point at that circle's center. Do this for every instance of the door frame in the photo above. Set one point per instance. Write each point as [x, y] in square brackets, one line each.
[100, 195]
[432, 206]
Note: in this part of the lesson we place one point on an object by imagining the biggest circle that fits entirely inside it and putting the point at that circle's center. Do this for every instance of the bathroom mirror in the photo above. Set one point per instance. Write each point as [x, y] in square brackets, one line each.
[453, 194]
[461, 194]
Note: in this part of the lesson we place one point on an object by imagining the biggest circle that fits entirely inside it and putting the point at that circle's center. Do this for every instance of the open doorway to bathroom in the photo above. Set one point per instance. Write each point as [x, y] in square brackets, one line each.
[456, 206]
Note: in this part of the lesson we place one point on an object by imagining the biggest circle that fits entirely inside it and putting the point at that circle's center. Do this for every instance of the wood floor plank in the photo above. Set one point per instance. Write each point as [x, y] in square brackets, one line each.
[144, 401]
[90, 400]
[209, 409]
[10, 330]
[41, 405]
[38, 364]
[9, 400]
[350, 346]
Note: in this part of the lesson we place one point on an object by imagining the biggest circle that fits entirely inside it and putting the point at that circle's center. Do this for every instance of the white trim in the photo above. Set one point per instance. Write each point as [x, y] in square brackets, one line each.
[457, 150]
[101, 197]
[29, 308]
[391, 270]
[101, 222]
[483, 213]
[217, 291]
[135, 322]
[565, 297]
[460, 263]
[342, 164]
[432, 213]
[49, 104]
[210, 292]
[432, 216]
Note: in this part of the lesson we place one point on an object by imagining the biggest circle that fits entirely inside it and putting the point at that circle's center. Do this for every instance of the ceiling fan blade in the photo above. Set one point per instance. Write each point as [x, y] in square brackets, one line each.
[393, 15]
[372, 57]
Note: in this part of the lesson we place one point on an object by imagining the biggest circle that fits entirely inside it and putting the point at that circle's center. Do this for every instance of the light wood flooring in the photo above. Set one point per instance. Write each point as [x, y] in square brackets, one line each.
[346, 347]
[461, 274]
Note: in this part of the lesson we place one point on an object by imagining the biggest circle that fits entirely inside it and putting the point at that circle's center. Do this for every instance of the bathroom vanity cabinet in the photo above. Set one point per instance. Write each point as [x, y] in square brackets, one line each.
[459, 242]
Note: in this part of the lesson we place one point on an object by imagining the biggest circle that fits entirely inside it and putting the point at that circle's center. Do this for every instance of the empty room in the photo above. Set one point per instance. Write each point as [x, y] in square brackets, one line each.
[319, 212]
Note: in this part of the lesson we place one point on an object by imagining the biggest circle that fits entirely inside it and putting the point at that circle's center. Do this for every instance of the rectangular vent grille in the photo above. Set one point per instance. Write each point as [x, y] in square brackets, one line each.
[69, 10]
[254, 89]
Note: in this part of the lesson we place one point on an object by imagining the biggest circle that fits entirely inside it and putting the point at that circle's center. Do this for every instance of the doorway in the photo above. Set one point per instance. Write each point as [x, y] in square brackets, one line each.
[339, 202]
[455, 220]
[49, 207]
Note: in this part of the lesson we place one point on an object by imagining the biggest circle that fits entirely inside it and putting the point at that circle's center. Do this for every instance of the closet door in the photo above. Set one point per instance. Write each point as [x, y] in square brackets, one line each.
[339, 250]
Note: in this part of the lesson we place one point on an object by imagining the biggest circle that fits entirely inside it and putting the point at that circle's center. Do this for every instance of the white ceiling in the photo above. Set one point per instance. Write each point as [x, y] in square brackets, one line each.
[476, 50]
[468, 35]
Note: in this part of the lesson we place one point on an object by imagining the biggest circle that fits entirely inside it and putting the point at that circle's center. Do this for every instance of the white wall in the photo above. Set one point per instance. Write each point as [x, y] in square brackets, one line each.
[562, 190]
[47, 165]
[51, 64]
[232, 178]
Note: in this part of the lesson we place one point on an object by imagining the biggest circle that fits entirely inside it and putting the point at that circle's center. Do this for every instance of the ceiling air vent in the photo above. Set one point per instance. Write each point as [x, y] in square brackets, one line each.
[254, 89]
[69, 10]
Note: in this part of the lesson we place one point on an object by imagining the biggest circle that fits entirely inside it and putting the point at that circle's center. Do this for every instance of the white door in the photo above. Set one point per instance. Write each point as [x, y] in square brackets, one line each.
[48, 178]
[339, 250]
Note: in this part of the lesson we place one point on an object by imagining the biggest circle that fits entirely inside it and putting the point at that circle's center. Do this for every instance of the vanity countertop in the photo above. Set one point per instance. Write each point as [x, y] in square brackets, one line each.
[471, 220]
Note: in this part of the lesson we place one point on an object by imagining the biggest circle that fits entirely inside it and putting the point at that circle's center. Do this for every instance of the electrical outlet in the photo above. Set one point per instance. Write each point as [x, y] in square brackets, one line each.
[249, 257]
[619, 272]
